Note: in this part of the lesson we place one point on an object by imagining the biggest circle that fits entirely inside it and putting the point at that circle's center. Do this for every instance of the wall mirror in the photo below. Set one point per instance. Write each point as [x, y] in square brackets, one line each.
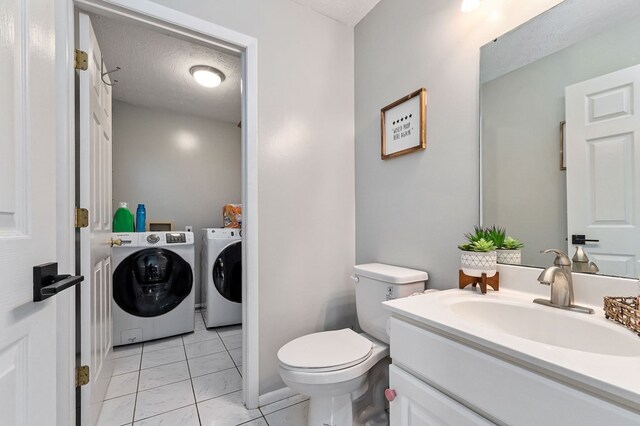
[560, 134]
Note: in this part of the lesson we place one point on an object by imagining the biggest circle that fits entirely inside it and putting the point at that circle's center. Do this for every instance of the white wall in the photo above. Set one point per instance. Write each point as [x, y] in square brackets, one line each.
[523, 186]
[413, 210]
[181, 167]
[305, 167]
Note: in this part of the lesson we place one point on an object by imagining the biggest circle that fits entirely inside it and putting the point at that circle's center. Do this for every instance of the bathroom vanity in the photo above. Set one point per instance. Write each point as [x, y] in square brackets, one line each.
[463, 358]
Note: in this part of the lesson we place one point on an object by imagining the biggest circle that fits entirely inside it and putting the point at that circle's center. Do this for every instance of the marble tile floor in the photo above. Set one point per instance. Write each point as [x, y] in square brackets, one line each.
[193, 379]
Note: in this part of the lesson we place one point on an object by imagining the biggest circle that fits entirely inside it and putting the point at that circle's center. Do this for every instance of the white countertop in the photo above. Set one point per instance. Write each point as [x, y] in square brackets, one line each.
[612, 377]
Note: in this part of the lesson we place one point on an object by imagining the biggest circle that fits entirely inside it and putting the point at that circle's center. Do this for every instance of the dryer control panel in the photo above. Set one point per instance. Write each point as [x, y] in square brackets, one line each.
[159, 239]
[176, 237]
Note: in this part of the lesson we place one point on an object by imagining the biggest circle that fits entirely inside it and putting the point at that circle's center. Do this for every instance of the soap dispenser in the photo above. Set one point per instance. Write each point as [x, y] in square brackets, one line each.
[582, 264]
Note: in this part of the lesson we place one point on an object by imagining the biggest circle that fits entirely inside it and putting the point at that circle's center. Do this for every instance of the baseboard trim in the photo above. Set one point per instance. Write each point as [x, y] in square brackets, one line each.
[276, 395]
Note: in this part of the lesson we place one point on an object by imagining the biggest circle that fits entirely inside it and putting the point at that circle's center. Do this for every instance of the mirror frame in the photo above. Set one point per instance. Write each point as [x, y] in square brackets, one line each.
[602, 16]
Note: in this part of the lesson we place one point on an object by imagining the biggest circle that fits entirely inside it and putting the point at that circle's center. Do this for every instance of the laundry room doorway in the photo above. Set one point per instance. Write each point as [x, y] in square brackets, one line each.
[192, 158]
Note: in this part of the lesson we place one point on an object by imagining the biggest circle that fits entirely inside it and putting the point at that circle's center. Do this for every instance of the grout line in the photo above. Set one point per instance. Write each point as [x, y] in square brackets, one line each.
[165, 412]
[152, 350]
[165, 384]
[253, 420]
[193, 390]
[234, 361]
[218, 396]
[138, 387]
[229, 353]
[135, 402]
[126, 372]
[202, 341]
[162, 365]
[214, 372]
[212, 353]
[283, 408]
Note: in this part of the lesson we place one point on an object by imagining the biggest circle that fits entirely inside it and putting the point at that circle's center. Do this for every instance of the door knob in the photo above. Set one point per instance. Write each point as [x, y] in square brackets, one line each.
[47, 282]
[116, 242]
[580, 240]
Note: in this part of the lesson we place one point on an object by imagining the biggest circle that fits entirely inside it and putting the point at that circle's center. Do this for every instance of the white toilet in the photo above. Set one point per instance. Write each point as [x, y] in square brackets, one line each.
[345, 373]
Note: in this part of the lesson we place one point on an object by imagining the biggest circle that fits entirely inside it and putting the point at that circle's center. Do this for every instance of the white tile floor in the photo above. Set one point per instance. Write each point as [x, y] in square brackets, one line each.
[193, 379]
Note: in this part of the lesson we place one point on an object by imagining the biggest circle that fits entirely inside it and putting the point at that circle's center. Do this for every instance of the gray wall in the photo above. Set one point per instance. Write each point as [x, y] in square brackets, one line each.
[305, 168]
[523, 186]
[413, 210]
[183, 168]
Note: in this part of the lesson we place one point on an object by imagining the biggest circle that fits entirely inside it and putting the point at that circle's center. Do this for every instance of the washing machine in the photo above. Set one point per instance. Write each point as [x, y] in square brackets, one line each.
[153, 286]
[221, 276]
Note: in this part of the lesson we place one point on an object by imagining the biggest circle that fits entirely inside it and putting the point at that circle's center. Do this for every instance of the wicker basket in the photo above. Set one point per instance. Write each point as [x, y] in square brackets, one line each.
[623, 310]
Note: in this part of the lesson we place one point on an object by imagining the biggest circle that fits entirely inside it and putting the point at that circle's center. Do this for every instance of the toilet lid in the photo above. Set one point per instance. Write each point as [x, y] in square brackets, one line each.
[328, 350]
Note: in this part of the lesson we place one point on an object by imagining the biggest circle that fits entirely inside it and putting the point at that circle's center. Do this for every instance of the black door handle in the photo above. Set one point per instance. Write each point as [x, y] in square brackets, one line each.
[47, 282]
[580, 240]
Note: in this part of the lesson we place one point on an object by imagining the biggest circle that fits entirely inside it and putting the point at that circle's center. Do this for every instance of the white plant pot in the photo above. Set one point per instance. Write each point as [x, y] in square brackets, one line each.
[475, 264]
[510, 257]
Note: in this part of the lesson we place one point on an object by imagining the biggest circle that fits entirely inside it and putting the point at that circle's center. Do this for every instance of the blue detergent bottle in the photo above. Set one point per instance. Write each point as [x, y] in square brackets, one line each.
[141, 218]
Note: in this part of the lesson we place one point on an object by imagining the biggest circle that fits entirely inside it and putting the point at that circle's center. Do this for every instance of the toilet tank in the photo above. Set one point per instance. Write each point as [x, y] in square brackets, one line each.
[377, 283]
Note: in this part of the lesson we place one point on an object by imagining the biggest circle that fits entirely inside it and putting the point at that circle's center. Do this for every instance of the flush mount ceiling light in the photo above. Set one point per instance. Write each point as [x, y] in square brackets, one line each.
[469, 5]
[207, 76]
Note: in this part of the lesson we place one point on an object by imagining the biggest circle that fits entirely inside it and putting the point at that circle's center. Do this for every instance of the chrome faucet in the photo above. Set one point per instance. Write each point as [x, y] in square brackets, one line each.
[560, 279]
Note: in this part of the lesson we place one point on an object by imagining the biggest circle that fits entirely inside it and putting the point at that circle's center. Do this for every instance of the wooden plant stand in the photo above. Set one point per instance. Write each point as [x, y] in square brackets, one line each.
[484, 281]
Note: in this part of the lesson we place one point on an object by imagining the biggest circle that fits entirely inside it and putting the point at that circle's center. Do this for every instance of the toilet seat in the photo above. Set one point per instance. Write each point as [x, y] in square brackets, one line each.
[325, 351]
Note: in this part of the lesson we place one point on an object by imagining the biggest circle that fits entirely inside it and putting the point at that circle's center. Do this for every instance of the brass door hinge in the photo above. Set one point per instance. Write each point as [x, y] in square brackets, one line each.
[80, 60]
[82, 217]
[82, 375]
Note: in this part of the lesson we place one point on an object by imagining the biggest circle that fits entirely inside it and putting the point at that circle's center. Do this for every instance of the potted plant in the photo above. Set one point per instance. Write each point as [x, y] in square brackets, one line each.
[478, 254]
[510, 252]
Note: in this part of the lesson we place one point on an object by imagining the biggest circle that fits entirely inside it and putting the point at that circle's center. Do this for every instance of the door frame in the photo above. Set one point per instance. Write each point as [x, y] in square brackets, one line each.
[184, 26]
[65, 214]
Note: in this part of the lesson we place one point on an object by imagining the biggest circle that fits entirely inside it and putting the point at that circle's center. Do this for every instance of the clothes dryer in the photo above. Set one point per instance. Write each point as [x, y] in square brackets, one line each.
[221, 276]
[153, 286]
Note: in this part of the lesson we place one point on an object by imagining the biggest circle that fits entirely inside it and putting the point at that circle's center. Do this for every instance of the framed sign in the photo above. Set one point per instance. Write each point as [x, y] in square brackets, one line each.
[404, 125]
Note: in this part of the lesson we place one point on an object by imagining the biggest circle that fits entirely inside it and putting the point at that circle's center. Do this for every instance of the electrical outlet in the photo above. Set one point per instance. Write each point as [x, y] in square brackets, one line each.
[188, 228]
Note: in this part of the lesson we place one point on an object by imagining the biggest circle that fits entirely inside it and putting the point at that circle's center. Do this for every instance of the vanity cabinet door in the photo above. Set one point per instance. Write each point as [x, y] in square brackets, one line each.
[418, 404]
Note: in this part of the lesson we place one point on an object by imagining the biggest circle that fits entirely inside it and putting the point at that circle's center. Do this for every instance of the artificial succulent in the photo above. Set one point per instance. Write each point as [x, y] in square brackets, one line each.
[481, 245]
[511, 244]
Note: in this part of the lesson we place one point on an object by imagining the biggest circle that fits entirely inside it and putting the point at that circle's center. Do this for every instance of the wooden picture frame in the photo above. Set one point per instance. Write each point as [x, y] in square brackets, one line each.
[398, 122]
[563, 152]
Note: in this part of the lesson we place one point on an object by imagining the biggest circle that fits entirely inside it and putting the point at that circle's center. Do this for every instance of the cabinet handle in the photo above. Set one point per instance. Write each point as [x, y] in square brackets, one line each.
[390, 394]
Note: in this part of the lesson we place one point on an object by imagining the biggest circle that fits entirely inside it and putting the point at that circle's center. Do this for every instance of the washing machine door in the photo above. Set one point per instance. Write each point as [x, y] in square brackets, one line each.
[227, 272]
[151, 282]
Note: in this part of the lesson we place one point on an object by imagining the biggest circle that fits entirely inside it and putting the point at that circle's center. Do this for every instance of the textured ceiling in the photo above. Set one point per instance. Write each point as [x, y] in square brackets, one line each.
[155, 71]
[560, 27]
[349, 12]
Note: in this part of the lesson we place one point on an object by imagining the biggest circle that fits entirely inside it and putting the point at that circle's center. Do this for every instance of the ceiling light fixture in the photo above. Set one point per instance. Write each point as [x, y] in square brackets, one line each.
[469, 5]
[207, 76]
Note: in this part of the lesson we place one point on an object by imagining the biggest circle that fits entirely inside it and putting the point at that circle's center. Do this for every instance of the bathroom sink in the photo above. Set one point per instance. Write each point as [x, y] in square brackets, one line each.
[586, 351]
[548, 326]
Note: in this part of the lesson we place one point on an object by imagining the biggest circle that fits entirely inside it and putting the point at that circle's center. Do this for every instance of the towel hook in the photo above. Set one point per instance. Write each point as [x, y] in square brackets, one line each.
[103, 72]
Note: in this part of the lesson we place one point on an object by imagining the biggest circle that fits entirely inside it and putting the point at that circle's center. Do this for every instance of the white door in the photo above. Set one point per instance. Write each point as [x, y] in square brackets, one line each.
[27, 211]
[603, 162]
[95, 195]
